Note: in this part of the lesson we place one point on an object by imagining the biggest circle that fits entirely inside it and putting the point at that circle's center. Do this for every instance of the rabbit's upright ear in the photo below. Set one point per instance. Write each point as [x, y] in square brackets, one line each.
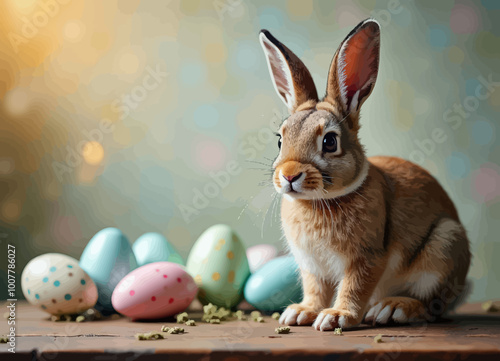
[291, 79]
[354, 67]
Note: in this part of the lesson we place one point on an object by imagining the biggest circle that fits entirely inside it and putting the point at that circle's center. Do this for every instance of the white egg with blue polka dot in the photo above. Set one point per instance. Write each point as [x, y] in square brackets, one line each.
[58, 285]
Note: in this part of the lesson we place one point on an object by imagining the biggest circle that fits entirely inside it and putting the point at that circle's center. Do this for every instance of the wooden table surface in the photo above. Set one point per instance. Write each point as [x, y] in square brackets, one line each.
[470, 334]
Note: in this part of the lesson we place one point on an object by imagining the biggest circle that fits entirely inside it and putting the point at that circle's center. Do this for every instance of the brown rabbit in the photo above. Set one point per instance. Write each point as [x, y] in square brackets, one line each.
[375, 237]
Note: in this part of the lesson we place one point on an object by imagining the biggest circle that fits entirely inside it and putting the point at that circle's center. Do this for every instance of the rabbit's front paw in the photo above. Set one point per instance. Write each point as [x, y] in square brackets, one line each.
[331, 318]
[298, 314]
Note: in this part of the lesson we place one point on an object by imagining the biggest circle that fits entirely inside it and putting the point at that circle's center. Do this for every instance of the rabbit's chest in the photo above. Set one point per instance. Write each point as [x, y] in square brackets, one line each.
[315, 254]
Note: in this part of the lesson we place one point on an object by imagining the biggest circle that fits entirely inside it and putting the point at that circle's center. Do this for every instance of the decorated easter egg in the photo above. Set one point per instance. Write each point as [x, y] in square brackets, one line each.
[156, 290]
[153, 247]
[259, 255]
[219, 266]
[275, 285]
[58, 285]
[107, 258]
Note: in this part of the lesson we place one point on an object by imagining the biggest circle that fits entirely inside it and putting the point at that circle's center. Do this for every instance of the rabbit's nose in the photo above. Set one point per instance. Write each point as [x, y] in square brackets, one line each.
[292, 178]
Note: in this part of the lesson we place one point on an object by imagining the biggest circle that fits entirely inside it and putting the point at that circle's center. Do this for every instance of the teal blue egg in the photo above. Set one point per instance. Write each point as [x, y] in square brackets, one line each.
[153, 247]
[107, 258]
[275, 285]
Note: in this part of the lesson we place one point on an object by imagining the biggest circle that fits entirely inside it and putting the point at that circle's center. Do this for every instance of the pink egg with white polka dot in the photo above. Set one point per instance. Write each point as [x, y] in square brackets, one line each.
[156, 290]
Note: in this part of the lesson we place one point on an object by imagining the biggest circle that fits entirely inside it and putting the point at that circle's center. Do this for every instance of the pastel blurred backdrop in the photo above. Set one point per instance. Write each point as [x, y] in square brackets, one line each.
[150, 115]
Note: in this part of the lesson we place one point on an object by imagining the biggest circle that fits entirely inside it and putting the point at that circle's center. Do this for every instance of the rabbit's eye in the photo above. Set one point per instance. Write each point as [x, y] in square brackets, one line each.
[330, 143]
[279, 141]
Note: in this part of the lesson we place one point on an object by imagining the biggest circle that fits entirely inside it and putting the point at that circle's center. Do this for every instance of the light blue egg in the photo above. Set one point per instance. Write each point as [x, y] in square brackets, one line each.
[107, 258]
[153, 247]
[275, 285]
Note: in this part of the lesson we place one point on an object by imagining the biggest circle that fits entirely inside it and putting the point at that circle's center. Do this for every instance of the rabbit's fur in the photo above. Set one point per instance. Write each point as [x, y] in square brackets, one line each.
[375, 238]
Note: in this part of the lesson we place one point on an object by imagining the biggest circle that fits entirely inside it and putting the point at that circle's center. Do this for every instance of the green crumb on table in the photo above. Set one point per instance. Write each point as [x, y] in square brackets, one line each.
[208, 318]
[240, 315]
[215, 321]
[275, 316]
[172, 330]
[175, 330]
[337, 331]
[210, 313]
[378, 338]
[223, 313]
[209, 309]
[282, 330]
[190, 323]
[255, 314]
[490, 306]
[260, 319]
[70, 318]
[149, 336]
[4, 339]
[182, 317]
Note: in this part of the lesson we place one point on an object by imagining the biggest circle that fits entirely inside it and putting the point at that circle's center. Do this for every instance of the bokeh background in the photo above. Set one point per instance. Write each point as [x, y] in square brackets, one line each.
[122, 113]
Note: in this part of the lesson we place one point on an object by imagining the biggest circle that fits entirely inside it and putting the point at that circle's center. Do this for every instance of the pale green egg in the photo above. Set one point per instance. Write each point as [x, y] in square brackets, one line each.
[219, 266]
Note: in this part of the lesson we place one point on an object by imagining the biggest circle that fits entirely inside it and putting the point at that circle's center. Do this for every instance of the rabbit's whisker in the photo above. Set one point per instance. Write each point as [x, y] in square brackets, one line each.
[344, 118]
[261, 163]
[265, 215]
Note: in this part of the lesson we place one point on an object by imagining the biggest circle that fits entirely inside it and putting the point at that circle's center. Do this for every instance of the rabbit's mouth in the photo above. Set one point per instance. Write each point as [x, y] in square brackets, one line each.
[291, 184]
[296, 180]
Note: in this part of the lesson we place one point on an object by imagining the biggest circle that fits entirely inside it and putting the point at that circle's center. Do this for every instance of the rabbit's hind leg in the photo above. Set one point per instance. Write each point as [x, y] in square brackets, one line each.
[395, 310]
[437, 270]
[433, 279]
